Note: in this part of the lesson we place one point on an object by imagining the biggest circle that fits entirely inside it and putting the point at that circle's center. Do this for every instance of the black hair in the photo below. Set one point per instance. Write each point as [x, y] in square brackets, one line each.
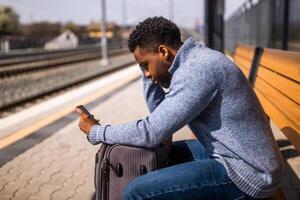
[152, 32]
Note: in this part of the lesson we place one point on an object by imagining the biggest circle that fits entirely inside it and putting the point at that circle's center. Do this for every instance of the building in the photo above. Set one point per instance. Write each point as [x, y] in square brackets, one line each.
[65, 40]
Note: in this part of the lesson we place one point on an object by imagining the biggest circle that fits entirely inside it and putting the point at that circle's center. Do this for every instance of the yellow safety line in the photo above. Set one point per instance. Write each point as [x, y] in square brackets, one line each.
[49, 119]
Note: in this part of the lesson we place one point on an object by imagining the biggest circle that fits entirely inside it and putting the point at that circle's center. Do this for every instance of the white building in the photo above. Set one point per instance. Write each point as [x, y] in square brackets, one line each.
[64, 41]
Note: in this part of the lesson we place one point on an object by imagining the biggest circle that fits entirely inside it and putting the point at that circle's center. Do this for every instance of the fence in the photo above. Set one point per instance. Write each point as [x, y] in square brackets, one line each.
[267, 23]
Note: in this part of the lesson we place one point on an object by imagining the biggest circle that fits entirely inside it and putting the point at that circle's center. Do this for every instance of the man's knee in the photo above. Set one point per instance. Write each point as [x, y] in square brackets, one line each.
[133, 191]
[128, 193]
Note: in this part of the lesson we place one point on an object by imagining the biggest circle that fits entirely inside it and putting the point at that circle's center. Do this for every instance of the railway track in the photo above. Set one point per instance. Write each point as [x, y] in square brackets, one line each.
[29, 56]
[15, 66]
[24, 84]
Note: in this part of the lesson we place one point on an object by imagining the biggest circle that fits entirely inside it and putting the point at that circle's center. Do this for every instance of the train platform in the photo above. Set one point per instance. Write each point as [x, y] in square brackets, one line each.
[62, 165]
[59, 164]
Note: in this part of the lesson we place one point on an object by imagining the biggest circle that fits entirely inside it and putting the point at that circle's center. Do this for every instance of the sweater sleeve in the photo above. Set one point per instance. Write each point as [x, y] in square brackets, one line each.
[187, 98]
[153, 94]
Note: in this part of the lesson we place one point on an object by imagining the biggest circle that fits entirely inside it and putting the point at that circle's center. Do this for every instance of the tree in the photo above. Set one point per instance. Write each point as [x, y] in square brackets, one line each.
[9, 21]
[40, 32]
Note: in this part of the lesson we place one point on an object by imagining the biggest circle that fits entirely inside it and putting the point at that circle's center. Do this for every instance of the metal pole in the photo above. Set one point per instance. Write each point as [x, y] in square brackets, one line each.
[104, 59]
[285, 38]
[214, 24]
[124, 13]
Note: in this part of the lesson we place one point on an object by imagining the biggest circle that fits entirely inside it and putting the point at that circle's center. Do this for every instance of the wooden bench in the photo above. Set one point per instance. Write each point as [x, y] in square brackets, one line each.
[275, 77]
[277, 86]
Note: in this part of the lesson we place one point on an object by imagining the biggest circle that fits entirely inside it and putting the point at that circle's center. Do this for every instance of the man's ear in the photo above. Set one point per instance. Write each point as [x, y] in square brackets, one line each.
[163, 52]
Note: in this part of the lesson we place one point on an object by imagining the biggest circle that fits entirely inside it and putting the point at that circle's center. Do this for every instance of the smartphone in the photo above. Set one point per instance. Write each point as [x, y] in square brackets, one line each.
[81, 109]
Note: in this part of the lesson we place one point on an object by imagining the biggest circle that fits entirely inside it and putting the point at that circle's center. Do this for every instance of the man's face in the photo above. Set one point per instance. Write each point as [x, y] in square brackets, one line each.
[155, 65]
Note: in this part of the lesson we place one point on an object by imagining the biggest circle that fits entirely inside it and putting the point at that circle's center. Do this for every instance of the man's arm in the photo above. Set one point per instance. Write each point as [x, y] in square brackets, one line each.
[187, 98]
[153, 94]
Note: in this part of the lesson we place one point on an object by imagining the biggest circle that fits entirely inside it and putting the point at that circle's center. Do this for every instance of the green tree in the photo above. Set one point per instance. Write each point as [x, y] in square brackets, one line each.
[9, 21]
[40, 32]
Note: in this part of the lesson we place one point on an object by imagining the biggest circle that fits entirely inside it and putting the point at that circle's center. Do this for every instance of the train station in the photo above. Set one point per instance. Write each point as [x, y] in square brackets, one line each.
[126, 99]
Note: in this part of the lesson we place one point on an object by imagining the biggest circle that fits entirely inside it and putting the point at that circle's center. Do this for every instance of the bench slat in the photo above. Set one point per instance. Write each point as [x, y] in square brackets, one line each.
[245, 51]
[288, 107]
[245, 71]
[244, 65]
[285, 85]
[283, 62]
[243, 57]
[290, 129]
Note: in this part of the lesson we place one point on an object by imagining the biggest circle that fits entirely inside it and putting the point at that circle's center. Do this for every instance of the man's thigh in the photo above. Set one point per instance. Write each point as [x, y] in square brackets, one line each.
[187, 151]
[199, 179]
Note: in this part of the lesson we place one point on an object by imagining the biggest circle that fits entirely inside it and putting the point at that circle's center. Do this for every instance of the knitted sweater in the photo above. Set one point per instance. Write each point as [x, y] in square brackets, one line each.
[213, 97]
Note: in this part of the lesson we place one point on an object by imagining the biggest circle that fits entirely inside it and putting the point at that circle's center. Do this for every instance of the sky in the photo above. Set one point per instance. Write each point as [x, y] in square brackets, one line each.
[83, 11]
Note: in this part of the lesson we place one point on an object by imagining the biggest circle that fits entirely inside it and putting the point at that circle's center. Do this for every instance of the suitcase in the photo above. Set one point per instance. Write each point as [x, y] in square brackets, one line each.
[116, 165]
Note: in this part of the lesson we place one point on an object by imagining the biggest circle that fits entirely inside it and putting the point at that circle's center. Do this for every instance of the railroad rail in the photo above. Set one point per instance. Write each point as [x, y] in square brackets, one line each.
[21, 64]
[27, 54]
[25, 82]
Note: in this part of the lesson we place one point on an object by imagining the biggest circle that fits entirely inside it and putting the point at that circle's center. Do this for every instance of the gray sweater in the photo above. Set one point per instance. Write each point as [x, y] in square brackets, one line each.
[212, 96]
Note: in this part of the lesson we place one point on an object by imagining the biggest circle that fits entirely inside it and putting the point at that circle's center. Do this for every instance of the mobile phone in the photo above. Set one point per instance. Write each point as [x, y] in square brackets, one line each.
[81, 109]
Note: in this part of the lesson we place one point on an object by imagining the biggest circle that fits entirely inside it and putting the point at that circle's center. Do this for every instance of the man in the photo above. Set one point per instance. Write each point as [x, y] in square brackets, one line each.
[235, 156]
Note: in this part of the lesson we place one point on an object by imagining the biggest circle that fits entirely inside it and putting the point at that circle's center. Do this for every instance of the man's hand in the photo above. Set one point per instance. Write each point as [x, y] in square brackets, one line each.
[86, 121]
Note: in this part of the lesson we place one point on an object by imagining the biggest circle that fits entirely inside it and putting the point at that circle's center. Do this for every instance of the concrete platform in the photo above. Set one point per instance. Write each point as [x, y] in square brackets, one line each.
[291, 180]
[62, 166]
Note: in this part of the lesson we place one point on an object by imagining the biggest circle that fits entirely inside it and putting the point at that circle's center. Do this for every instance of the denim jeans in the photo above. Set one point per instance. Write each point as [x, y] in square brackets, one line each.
[192, 175]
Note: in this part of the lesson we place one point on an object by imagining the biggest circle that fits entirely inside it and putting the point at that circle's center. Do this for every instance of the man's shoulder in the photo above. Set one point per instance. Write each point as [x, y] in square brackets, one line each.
[204, 65]
[200, 60]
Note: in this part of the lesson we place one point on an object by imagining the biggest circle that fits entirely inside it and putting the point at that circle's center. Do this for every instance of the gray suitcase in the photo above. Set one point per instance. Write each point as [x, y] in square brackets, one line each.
[116, 165]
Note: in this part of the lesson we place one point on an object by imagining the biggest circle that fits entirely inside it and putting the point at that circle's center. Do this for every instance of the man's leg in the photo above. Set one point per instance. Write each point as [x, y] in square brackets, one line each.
[186, 151]
[195, 176]
[199, 179]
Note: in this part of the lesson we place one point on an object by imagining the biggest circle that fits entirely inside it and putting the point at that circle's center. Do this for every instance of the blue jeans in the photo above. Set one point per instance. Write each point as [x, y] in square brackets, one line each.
[192, 175]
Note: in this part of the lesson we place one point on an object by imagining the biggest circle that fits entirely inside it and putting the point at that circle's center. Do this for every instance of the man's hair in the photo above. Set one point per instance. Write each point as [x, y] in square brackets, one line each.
[152, 32]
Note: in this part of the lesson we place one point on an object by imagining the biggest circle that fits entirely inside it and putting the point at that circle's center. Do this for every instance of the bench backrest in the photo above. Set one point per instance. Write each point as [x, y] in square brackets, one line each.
[277, 85]
[243, 57]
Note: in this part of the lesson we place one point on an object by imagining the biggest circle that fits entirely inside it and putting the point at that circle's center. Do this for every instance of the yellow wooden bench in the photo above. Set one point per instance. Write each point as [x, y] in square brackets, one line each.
[276, 82]
[277, 86]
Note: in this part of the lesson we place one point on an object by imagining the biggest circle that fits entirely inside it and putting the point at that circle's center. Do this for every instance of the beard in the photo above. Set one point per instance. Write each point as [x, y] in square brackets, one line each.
[165, 83]
[164, 78]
